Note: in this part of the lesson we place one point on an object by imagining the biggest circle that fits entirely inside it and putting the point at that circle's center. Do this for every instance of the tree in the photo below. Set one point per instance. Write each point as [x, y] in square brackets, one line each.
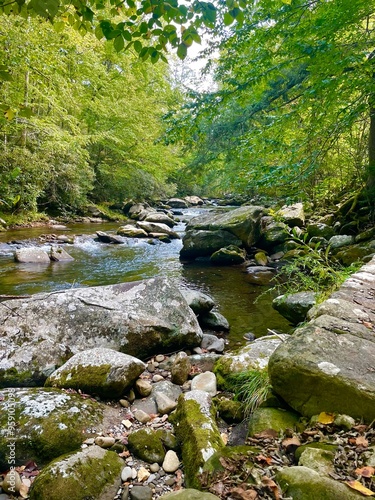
[296, 92]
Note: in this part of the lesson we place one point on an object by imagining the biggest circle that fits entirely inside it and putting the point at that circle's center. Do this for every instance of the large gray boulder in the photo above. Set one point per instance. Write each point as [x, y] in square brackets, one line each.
[32, 256]
[100, 371]
[203, 243]
[92, 473]
[294, 306]
[327, 365]
[40, 333]
[293, 215]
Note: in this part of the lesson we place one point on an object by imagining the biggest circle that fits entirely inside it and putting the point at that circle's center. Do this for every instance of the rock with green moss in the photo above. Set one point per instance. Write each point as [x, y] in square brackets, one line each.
[320, 229]
[141, 318]
[321, 446]
[272, 418]
[229, 410]
[189, 494]
[168, 439]
[201, 243]
[197, 432]
[147, 445]
[242, 454]
[318, 460]
[254, 356]
[355, 253]
[213, 320]
[92, 473]
[273, 234]
[50, 422]
[306, 484]
[228, 256]
[294, 306]
[100, 371]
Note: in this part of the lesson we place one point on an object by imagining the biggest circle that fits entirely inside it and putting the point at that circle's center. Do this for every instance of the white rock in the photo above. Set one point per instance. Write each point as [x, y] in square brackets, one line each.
[171, 461]
[205, 382]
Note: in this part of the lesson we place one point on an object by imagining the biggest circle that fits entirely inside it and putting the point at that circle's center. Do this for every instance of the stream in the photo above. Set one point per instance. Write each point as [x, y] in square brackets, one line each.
[104, 264]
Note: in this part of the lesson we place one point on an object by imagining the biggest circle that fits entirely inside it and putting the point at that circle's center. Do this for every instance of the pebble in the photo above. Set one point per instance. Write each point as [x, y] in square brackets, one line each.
[154, 467]
[124, 403]
[89, 441]
[126, 474]
[143, 387]
[151, 367]
[171, 461]
[142, 416]
[141, 493]
[157, 378]
[170, 481]
[125, 493]
[143, 474]
[126, 423]
[164, 403]
[159, 358]
[205, 382]
[105, 441]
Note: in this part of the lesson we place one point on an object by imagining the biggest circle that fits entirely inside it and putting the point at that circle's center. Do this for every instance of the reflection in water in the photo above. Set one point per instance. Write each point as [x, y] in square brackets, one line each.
[103, 264]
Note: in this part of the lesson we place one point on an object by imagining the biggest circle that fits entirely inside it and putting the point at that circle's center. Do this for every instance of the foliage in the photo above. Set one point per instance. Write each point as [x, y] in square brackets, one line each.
[292, 110]
[251, 387]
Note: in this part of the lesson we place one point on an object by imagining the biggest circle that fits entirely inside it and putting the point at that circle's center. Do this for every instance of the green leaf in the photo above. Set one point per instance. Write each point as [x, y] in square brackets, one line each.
[5, 76]
[119, 43]
[59, 26]
[44, 8]
[182, 51]
[9, 114]
[137, 46]
[228, 19]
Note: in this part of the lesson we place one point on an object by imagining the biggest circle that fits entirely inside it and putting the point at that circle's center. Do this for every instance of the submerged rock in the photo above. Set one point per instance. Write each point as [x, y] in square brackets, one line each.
[295, 306]
[228, 256]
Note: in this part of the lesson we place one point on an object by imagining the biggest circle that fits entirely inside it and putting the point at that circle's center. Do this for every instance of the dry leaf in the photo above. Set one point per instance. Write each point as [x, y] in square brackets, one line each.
[290, 443]
[262, 458]
[356, 485]
[361, 441]
[124, 454]
[367, 324]
[267, 433]
[326, 418]
[361, 427]
[270, 484]
[367, 471]
[241, 494]
[24, 490]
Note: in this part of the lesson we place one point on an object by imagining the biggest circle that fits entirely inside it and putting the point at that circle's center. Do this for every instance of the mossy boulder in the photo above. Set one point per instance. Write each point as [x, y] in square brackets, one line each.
[213, 320]
[229, 410]
[190, 494]
[198, 434]
[273, 234]
[254, 356]
[100, 371]
[147, 445]
[320, 229]
[201, 243]
[50, 422]
[228, 256]
[303, 483]
[294, 306]
[321, 446]
[319, 460]
[354, 253]
[241, 453]
[272, 418]
[92, 473]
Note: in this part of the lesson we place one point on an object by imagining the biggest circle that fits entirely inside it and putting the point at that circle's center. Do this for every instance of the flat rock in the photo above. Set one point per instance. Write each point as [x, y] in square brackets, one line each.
[32, 256]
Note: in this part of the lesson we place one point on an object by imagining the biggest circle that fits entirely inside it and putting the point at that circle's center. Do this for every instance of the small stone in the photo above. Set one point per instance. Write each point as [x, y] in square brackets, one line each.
[127, 424]
[141, 493]
[124, 403]
[131, 396]
[164, 403]
[151, 367]
[150, 479]
[142, 416]
[344, 422]
[126, 474]
[205, 382]
[170, 481]
[143, 387]
[12, 482]
[157, 378]
[89, 441]
[186, 386]
[143, 474]
[105, 441]
[171, 461]
[125, 493]
[181, 368]
[154, 467]
[159, 358]
[197, 350]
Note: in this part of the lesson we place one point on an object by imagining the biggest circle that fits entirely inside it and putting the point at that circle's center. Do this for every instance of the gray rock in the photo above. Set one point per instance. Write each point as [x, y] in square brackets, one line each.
[177, 203]
[144, 387]
[58, 254]
[189, 494]
[126, 474]
[213, 320]
[32, 256]
[100, 371]
[50, 422]
[161, 218]
[164, 403]
[320, 229]
[228, 256]
[198, 301]
[108, 238]
[273, 234]
[203, 243]
[340, 240]
[260, 275]
[141, 416]
[132, 231]
[138, 318]
[171, 462]
[205, 382]
[141, 493]
[293, 215]
[294, 307]
[155, 227]
[194, 200]
[212, 343]
[62, 479]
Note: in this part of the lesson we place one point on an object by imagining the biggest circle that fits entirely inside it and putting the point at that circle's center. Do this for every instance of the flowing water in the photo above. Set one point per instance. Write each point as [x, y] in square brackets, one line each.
[103, 264]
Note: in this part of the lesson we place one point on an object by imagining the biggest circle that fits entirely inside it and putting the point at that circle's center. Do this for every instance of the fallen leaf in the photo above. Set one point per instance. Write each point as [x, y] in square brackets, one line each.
[125, 454]
[262, 458]
[267, 433]
[270, 484]
[241, 494]
[361, 427]
[367, 471]
[367, 324]
[361, 441]
[290, 443]
[356, 485]
[24, 490]
[326, 418]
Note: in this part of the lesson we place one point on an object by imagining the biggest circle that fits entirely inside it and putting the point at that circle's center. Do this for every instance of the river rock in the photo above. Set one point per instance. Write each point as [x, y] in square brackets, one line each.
[212, 343]
[273, 233]
[177, 203]
[50, 422]
[180, 369]
[194, 200]
[254, 356]
[132, 232]
[138, 318]
[340, 240]
[202, 243]
[161, 218]
[293, 215]
[100, 371]
[320, 229]
[147, 445]
[260, 275]
[58, 254]
[32, 256]
[108, 238]
[164, 404]
[144, 387]
[205, 382]
[272, 418]
[91, 473]
[213, 320]
[171, 462]
[190, 494]
[155, 227]
[200, 302]
[228, 256]
[362, 251]
[295, 306]
[197, 431]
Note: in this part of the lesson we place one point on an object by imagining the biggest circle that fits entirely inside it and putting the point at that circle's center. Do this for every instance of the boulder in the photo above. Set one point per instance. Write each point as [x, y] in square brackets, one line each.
[273, 234]
[49, 423]
[203, 243]
[320, 229]
[293, 215]
[243, 223]
[147, 445]
[177, 203]
[228, 256]
[58, 254]
[197, 432]
[132, 232]
[91, 473]
[140, 318]
[260, 275]
[108, 238]
[31, 256]
[198, 301]
[156, 227]
[99, 371]
[278, 420]
[254, 356]
[361, 251]
[160, 218]
[306, 484]
[213, 320]
[194, 200]
[340, 240]
[294, 306]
